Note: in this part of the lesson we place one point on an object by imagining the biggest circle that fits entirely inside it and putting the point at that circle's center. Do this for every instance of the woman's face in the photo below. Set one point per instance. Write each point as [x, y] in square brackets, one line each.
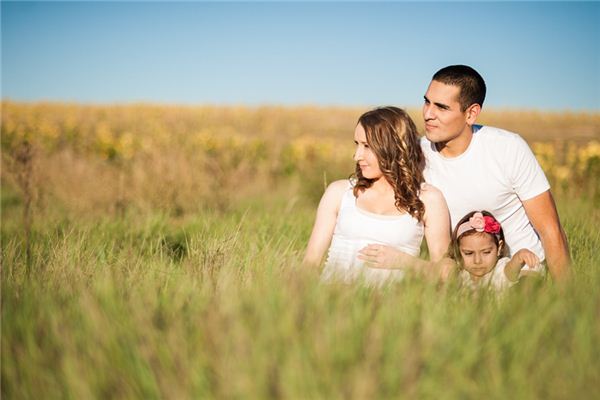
[479, 253]
[364, 156]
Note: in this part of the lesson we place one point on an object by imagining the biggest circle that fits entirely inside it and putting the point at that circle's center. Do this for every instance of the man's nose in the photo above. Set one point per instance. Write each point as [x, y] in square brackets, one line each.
[428, 113]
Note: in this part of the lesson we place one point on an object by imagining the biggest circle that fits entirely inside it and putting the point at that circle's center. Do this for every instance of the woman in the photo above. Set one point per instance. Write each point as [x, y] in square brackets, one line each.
[374, 223]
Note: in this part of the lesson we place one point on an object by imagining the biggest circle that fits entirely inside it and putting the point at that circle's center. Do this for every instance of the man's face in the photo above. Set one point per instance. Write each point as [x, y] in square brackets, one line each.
[442, 114]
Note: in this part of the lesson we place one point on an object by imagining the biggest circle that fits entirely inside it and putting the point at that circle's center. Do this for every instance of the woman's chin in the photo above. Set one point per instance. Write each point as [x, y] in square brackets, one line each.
[372, 176]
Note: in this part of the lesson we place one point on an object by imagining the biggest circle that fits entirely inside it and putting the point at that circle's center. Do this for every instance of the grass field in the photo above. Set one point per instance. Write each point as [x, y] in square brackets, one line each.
[154, 252]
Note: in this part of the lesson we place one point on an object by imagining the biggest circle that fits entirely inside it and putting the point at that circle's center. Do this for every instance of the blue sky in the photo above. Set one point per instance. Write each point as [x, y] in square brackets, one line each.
[534, 55]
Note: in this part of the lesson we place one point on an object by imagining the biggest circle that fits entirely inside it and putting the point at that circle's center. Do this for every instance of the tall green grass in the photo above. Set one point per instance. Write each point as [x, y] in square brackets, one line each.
[154, 252]
[214, 304]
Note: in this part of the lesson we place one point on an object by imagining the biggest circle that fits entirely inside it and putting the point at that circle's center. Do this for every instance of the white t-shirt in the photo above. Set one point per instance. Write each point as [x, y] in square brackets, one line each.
[496, 173]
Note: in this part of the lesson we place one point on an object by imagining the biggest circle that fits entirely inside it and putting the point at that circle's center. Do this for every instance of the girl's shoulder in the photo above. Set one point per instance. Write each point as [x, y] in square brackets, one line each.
[501, 264]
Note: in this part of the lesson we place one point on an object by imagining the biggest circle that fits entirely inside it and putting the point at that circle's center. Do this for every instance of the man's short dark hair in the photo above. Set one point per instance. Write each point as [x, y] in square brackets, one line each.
[471, 84]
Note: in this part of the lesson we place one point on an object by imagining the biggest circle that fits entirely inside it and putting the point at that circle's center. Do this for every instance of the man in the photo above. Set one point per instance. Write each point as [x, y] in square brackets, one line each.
[485, 168]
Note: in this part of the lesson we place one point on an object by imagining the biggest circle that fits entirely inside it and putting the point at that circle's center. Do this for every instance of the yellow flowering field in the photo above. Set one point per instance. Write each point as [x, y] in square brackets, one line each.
[156, 155]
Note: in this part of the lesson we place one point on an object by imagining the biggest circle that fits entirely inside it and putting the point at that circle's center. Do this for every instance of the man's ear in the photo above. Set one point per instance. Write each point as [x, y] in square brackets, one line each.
[472, 113]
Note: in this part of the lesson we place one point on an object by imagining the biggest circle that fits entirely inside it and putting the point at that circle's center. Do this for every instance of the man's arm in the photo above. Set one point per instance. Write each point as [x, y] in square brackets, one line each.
[541, 211]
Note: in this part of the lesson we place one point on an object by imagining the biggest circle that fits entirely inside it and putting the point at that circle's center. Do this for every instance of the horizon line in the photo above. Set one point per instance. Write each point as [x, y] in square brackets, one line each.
[159, 103]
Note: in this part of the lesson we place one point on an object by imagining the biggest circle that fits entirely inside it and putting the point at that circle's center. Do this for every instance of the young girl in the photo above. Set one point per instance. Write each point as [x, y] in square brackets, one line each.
[373, 223]
[478, 247]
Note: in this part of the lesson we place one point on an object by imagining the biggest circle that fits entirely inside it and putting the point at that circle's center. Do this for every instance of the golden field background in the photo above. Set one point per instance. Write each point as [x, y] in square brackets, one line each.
[99, 159]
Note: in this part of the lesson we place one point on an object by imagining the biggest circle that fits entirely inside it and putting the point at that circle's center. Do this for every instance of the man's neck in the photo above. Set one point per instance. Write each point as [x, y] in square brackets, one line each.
[457, 146]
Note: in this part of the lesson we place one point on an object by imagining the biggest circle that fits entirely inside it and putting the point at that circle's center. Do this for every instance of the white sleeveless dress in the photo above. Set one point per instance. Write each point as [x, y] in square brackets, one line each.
[356, 228]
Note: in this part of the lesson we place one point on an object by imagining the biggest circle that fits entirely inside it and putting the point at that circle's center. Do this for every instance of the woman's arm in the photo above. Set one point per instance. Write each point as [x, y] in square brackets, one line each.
[437, 222]
[322, 232]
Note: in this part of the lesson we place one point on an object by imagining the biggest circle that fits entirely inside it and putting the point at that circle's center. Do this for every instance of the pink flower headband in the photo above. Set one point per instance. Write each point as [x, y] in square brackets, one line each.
[480, 223]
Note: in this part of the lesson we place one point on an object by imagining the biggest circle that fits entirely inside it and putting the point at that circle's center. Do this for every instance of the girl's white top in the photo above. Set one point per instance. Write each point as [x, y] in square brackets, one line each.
[356, 228]
[495, 280]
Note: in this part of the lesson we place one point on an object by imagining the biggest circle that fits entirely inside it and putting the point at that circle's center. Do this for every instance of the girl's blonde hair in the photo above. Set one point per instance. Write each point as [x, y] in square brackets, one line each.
[393, 137]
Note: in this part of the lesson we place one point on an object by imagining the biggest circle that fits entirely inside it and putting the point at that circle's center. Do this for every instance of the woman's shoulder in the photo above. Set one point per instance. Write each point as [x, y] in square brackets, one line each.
[430, 193]
[339, 186]
[333, 195]
[435, 204]
[335, 191]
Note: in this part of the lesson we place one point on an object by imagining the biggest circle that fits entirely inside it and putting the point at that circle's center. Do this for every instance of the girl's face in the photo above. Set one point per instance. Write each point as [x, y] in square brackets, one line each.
[364, 156]
[479, 253]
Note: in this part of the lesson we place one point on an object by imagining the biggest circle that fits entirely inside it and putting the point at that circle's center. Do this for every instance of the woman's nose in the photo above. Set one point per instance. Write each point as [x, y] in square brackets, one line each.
[477, 258]
[357, 154]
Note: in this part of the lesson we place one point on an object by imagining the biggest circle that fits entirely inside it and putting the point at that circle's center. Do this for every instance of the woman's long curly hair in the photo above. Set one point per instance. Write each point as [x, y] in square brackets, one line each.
[392, 136]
